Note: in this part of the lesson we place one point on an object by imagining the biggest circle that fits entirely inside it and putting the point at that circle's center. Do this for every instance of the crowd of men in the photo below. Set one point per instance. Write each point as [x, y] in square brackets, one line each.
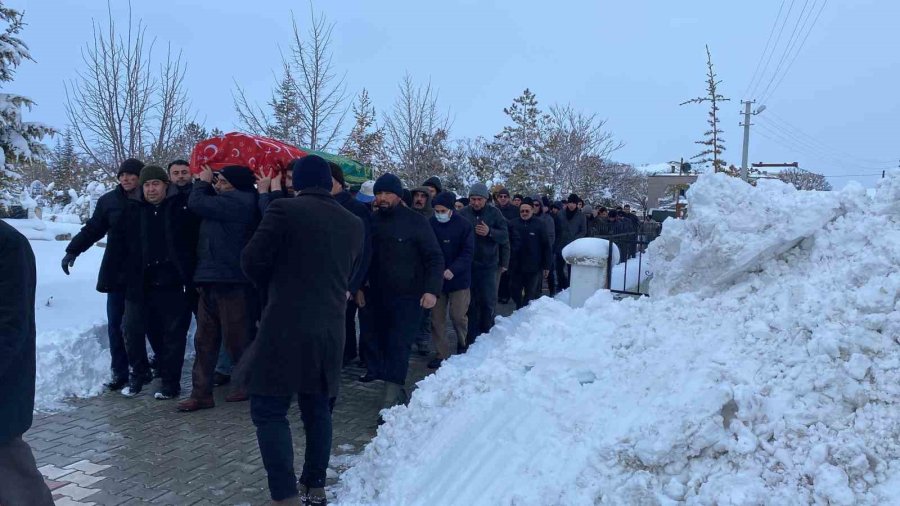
[279, 286]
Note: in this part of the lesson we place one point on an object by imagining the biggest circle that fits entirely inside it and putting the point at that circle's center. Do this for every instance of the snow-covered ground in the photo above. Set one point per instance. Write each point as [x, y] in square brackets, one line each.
[764, 369]
[70, 317]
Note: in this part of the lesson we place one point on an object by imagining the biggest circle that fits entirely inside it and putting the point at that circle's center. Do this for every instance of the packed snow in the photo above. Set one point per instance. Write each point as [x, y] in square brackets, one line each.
[72, 360]
[763, 370]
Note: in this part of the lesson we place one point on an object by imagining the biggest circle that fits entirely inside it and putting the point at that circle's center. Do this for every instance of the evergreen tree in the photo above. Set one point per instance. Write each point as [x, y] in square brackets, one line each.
[19, 140]
[66, 168]
[714, 143]
[521, 143]
[365, 143]
[287, 117]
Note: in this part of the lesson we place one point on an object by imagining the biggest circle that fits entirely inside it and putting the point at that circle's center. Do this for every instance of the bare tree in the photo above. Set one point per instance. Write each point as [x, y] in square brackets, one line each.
[714, 143]
[413, 122]
[804, 179]
[118, 106]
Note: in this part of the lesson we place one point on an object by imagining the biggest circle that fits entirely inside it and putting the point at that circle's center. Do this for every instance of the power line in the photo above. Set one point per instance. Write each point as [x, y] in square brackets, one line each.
[796, 54]
[777, 121]
[772, 53]
[796, 145]
[765, 50]
[789, 45]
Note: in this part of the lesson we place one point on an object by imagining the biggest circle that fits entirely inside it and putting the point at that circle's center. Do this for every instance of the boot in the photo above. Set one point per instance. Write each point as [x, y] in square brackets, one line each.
[290, 501]
[394, 395]
[316, 497]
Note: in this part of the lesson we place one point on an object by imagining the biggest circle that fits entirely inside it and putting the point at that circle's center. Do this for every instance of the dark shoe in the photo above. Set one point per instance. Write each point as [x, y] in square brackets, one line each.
[304, 493]
[220, 379]
[134, 387]
[165, 394]
[148, 378]
[503, 301]
[316, 497]
[237, 396]
[367, 378]
[460, 349]
[435, 363]
[422, 348]
[191, 404]
[116, 384]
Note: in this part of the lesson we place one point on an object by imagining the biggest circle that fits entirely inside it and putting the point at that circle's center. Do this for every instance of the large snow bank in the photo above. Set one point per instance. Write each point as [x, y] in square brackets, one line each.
[71, 326]
[771, 376]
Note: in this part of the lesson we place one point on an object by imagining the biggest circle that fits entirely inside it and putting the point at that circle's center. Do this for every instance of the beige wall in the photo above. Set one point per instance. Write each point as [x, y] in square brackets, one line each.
[658, 186]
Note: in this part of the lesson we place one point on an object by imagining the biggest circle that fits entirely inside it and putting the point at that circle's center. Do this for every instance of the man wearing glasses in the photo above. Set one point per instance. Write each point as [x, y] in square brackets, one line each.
[529, 262]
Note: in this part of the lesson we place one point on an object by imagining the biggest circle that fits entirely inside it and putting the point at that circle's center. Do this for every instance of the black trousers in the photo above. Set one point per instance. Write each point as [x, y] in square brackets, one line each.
[483, 302]
[160, 313]
[503, 291]
[562, 272]
[525, 287]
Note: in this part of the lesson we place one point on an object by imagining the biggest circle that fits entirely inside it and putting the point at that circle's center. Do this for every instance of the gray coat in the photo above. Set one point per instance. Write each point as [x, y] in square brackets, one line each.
[228, 221]
[305, 252]
[572, 228]
[488, 249]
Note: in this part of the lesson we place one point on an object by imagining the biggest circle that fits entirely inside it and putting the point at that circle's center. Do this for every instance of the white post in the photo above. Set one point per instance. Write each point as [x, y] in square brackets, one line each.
[589, 258]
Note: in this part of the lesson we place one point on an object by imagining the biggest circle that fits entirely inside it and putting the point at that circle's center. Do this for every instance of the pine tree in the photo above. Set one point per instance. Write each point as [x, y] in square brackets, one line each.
[287, 117]
[19, 140]
[522, 142]
[66, 168]
[365, 143]
[714, 143]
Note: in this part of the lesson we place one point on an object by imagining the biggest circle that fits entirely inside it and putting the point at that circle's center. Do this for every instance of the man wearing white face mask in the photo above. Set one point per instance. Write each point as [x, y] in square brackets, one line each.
[456, 236]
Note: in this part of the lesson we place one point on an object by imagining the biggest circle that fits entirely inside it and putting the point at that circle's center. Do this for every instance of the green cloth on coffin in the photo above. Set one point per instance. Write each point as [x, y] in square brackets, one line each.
[354, 172]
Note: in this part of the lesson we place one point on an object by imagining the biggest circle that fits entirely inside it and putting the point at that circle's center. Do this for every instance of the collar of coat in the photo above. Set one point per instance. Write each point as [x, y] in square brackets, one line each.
[315, 191]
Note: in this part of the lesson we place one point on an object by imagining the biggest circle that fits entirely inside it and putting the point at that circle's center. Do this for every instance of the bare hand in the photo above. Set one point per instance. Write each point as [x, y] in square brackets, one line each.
[206, 174]
[448, 275]
[360, 298]
[482, 229]
[428, 301]
[263, 181]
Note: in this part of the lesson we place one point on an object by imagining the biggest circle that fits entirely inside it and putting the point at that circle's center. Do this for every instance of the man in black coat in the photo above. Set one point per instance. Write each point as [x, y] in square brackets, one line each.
[20, 480]
[573, 225]
[357, 296]
[491, 234]
[529, 262]
[227, 302]
[109, 280]
[305, 251]
[405, 278]
[158, 261]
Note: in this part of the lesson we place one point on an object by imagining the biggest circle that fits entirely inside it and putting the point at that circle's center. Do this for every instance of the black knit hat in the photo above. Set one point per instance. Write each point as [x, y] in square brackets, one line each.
[463, 200]
[573, 199]
[130, 166]
[240, 177]
[518, 196]
[388, 183]
[338, 174]
[445, 199]
[434, 182]
[311, 171]
[503, 191]
[151, 172]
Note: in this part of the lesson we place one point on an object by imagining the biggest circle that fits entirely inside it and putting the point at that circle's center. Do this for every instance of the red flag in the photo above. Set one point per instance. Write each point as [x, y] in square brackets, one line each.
[260, 154]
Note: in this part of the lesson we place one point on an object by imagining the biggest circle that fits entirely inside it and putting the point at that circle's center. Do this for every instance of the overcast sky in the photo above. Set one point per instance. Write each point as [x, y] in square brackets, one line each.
[836, 110]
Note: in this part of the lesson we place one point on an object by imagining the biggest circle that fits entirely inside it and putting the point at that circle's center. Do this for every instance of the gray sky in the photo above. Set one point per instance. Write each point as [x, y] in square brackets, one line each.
[835, 111]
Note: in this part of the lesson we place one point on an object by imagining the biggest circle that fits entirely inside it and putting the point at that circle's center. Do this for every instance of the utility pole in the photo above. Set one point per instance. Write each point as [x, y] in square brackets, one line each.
[745, 171]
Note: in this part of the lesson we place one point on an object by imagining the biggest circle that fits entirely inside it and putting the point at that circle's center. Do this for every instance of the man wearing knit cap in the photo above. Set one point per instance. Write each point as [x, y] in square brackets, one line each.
[573, 225]
[456, 237]
[227, 302]
[305, 253]
[405, 278]
[434, 186]
[158, 260]
[357, 297]
[109, 281]
[491, 234]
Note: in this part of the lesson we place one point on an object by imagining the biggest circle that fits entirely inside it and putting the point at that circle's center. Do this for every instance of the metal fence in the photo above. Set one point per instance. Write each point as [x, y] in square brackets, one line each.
[632, 247]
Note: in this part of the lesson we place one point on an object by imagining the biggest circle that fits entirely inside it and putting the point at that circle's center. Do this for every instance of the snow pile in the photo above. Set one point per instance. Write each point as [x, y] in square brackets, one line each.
[779, 385]
[35, 229]
[590, 251]
[72, 359]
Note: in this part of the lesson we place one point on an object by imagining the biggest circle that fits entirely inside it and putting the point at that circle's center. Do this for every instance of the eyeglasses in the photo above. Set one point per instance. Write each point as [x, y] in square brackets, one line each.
[524, 211]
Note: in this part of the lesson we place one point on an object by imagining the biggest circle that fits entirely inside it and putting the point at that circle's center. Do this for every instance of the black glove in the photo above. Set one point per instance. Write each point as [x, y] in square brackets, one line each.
[68, 261]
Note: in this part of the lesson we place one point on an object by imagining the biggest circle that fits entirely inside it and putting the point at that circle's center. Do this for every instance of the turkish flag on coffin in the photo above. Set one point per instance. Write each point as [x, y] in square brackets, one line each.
[261, 154]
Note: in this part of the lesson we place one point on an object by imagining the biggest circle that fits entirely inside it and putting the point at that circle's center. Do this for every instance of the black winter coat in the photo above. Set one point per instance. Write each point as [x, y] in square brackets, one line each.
[406, 258]
[17, 333]
[530, 246]
[228, 222]
[510, 212]
[304, 252]
[571, 228]
[179, 242]
[457, 241]
[105, 218]
[267, 198]
[364, 213]
[487, 248]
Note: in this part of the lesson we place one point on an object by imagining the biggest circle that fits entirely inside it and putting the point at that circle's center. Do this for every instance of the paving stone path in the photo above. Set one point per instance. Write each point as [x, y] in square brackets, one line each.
[112, 450]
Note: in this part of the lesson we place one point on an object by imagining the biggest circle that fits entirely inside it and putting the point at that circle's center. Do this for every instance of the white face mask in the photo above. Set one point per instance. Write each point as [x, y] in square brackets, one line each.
[442, 217]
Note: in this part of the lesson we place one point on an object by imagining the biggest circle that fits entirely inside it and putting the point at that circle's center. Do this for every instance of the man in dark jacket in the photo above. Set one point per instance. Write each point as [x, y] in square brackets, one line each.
[158, 261]
[20, 480]
[421, 198]
[405, 277]
[357, 297]
[227, 302]
[434, 186]
[456, 237]
[491, 233]
[529, 261]
[305, 253]
[510, 212]
[179, 172]
[573, 225]
[600, 227]
[109, 281]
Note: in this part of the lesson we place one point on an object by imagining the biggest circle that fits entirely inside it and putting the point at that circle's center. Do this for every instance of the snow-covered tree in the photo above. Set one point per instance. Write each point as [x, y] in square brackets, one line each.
[804, 179]
[714, 144]
[521, 144]
[20, 141]
[365, 143]
[66, 168]
[413, 122]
